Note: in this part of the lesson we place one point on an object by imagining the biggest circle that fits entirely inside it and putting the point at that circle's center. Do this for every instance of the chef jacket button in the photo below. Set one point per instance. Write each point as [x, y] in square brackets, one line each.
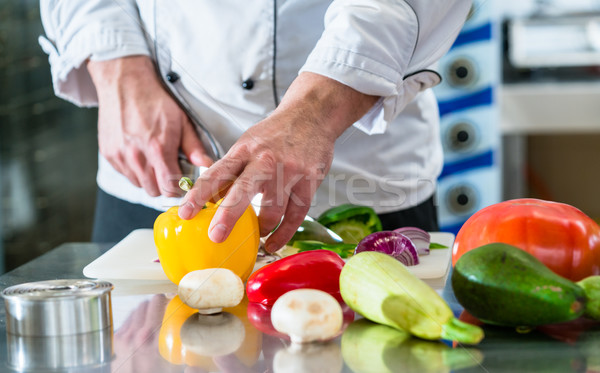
[248, 84]
[172, 76]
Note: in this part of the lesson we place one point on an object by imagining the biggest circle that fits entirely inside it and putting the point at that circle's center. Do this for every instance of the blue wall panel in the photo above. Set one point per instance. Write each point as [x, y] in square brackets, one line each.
[471, 177]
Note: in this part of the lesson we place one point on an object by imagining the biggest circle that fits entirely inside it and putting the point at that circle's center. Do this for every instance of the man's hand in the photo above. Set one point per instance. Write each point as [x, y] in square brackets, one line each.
[140, 127]
[285, 157]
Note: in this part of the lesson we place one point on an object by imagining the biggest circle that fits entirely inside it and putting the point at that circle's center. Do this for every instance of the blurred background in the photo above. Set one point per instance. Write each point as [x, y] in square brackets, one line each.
[520, 106]
[48, 147]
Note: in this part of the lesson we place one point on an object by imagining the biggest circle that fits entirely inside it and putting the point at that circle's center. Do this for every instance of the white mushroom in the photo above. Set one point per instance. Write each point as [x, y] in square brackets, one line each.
[210, 290]
[212, 335]
[307, 315]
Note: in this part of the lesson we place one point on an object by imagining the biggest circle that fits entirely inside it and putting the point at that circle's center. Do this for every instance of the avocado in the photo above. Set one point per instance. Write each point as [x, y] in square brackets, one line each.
[503, 285]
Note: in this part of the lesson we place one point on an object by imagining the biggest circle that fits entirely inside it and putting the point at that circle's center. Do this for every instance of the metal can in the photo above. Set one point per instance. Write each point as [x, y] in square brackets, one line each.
[58, 324]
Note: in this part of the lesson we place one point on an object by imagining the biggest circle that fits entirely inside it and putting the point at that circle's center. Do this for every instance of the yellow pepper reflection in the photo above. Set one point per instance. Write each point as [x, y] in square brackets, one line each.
[189, 338]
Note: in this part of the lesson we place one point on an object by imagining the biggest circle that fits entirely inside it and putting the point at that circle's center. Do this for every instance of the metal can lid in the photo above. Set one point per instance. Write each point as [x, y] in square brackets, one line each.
[58, 307]
[56, 289]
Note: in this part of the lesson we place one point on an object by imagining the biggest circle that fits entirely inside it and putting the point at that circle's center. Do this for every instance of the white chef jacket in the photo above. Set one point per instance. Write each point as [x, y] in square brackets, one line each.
[390, 159]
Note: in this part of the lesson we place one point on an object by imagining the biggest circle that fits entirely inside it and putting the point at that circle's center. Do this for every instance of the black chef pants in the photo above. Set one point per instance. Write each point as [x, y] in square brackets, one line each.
[115, 218]
[423, 215]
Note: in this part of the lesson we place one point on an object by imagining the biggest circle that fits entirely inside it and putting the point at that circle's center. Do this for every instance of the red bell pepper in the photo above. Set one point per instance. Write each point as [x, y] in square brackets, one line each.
[318, 269]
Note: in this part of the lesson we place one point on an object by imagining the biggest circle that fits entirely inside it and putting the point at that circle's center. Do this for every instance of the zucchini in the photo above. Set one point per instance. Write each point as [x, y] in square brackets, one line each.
[383, 290]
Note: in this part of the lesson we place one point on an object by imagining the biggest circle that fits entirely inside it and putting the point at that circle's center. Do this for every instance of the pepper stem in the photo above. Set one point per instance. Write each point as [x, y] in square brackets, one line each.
[462, 332]
[185, 183]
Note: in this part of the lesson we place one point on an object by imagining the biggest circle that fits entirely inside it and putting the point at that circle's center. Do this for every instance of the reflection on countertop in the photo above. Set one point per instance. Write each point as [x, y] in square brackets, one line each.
[158, 333]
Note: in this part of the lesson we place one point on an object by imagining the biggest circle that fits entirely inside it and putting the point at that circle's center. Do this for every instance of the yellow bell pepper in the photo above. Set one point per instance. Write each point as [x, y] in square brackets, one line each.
[183, 245]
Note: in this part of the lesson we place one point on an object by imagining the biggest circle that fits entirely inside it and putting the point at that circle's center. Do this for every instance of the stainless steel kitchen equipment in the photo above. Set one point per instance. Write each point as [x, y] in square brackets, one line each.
[554, 42]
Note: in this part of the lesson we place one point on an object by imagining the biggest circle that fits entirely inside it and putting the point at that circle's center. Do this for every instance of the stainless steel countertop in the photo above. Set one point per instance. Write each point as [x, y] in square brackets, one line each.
[147, 338]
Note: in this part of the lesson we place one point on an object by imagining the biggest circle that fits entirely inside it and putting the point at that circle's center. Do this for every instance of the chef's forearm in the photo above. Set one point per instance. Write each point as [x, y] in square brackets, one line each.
[326, 103]
[128, 71]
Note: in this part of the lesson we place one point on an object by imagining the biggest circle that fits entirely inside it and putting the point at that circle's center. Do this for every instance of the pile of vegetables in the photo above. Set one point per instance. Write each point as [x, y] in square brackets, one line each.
[561, 236]
[349, 229]
[528, 262]
[374, 284]
[518, 263]
[310, 295]
[299, 292]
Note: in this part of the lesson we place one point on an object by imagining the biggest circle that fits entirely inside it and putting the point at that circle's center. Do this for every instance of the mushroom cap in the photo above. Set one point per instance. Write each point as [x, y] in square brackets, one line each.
[307, 315]
[213, 288]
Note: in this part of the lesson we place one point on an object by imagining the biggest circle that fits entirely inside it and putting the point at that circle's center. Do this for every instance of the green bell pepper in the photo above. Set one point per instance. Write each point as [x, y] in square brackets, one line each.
[344, 250]
[351, 222]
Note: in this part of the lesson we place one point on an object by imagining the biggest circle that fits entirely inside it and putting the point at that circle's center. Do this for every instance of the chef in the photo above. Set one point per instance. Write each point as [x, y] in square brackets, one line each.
[309, 103]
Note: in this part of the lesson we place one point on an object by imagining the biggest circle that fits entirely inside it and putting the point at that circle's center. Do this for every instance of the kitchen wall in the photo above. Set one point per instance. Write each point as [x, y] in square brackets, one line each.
[48, 150]
[565, 168]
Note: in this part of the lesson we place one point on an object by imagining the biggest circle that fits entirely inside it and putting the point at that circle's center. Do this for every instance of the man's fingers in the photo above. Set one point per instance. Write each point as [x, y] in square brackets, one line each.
[149, 182]
[221, 193]
[272, 208]
[192, 147]
[210, 186]
[138, 164]
[123, 164]
[122, 169]
[188, 210]
[168, 180]
[294, 216]
[164, 160]
[237, 200]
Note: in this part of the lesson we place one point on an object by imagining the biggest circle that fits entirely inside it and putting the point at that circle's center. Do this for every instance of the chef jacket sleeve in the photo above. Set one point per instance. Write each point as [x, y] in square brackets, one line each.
[78, 30]
[386, 48]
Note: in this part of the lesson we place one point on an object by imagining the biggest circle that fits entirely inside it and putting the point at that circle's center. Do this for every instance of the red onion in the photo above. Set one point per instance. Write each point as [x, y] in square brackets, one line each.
[419, 237]
[392, 243]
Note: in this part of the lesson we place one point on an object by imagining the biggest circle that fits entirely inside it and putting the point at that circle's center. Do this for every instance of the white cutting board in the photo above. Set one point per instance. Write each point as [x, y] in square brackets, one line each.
[133, 259]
